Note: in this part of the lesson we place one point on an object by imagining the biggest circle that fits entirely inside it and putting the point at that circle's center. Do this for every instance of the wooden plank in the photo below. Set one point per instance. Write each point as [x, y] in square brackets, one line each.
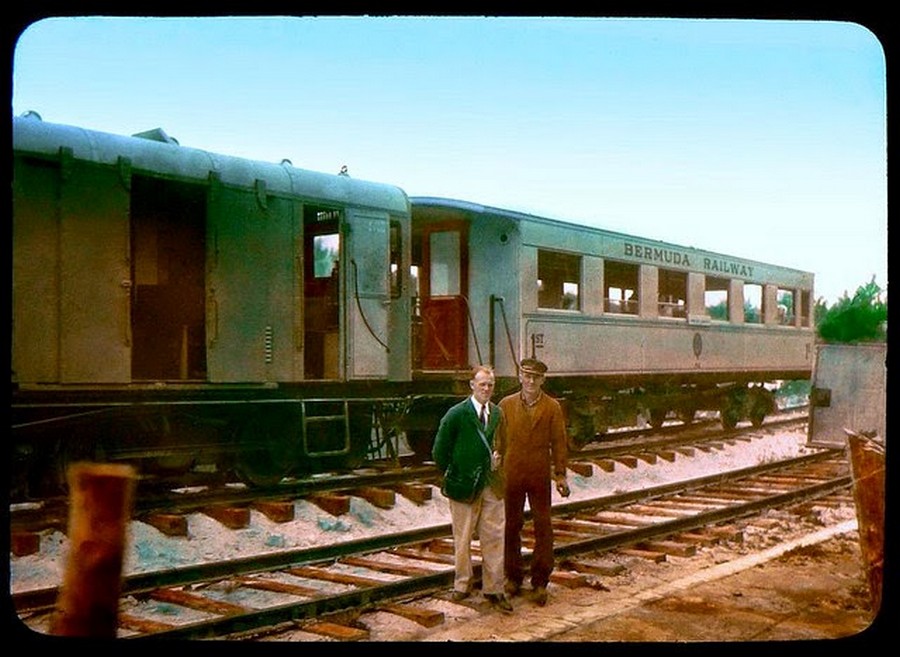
[424, 617]
[621, 518]
[335, 631]
[652, 509]
[627, 460]
[697, 538]
[696, 505]
[384, 567]
[22, 544]
[170, 524]
[669, 547]
[655, 557]
[441, 546]
[732, 534]
[278, 587]
[311, 572]
[647, 457]
[411, 553]
[129, 622]
[196, 601]
[582, 526]
[416, 493]
[568, 580]
[233, 517]
[581, 468]
[276, 511]
[606, 465]
[594, 567]
[336, 505]
[383, 498]
[667, 455]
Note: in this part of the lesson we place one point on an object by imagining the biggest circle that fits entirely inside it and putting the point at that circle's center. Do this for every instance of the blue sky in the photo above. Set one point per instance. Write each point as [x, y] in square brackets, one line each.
[760, 139]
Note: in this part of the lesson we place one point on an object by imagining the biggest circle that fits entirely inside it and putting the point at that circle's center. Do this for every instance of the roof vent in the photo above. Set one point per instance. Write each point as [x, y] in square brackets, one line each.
[157, 134]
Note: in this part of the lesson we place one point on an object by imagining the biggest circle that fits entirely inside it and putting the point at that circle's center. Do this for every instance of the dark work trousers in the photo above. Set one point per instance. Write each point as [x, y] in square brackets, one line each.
[538, 494]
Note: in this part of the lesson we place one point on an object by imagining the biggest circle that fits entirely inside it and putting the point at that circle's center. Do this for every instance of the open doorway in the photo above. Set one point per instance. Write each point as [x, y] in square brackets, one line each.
[168, 247]
[321, 291]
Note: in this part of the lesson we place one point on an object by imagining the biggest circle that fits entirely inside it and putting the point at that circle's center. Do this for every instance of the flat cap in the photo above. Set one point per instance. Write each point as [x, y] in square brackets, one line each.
[532, 366]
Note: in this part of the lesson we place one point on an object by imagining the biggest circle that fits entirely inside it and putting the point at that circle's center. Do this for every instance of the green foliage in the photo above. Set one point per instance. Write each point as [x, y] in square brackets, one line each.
[862, 318]
[719, 311]
[792, 392]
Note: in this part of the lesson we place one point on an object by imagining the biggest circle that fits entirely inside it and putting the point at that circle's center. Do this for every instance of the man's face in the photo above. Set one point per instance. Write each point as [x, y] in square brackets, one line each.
[531, 383]
[482, 387]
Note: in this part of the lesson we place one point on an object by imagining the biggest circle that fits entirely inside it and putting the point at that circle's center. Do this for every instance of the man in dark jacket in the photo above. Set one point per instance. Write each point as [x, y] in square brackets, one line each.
[468, 449]
[537, 449]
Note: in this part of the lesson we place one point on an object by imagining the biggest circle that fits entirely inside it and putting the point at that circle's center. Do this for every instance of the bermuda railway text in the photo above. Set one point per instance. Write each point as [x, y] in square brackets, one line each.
[680, 259]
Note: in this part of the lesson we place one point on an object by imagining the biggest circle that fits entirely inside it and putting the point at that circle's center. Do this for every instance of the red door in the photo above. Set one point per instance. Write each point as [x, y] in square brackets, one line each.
[444, 289]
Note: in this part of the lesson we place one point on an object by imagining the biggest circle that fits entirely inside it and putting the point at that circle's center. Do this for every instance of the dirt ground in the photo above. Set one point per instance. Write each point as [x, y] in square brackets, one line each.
[806, 587]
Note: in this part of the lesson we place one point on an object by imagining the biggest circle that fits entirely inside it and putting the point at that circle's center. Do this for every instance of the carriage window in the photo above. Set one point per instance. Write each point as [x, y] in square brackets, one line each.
[559, 278]
[753, 303]
[445, 265]
[715, 298]
[672, 293]
[326, 254]
[395, 257]
[786, 310]
[620, 281]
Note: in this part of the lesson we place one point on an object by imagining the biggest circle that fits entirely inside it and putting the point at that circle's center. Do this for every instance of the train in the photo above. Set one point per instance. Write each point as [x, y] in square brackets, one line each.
[188, 311]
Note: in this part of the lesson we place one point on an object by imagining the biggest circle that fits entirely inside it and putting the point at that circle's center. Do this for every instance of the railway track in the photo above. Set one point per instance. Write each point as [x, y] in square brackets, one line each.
[382, 479]
[400, 572]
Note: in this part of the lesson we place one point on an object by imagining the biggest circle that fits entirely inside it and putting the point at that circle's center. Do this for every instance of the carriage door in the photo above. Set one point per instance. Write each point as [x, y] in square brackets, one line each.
[444, 285]
[321, 292]
[368, 294]
[168, 314]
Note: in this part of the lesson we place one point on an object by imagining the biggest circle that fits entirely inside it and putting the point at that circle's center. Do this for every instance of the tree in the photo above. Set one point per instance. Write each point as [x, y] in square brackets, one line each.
[862, 318]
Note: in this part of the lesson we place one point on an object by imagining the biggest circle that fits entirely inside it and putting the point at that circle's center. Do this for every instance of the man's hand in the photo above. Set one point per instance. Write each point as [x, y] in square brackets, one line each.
[562, 487]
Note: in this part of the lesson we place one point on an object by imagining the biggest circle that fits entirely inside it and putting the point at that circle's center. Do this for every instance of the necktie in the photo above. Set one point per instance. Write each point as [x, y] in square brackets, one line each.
[483, 417]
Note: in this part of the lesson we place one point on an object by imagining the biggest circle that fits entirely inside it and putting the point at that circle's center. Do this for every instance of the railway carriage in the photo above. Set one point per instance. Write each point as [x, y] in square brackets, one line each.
[174, 306]
[185, 310]
[629, 326]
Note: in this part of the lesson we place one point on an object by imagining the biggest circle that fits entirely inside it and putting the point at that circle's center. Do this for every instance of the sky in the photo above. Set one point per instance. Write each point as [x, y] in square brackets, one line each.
[762, 139]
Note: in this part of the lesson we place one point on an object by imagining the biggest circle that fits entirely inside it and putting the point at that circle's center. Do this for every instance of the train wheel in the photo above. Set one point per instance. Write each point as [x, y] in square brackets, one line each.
[657, 417]
[259, 468]
[74, 450]
[266, 455]
[729, 417]
[763, 403]
[757, 416]
[420, 442]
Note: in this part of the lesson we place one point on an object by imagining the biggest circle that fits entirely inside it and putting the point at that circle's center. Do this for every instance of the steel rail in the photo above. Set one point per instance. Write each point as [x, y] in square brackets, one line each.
[372, 595]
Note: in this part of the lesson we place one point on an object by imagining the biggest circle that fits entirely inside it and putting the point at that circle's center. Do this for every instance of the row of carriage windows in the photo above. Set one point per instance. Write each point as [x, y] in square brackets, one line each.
[559, 288]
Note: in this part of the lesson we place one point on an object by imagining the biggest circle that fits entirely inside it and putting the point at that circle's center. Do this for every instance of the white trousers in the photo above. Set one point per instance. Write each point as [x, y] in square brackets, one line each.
[485, 515]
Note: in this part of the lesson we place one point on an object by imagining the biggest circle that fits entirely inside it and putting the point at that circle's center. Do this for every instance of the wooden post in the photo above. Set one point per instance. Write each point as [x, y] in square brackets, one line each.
[867, 462]
[100, 499]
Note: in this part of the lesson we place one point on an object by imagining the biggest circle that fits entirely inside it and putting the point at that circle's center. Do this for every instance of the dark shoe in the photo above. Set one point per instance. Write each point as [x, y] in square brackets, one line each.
[540, 596]
[459, 596]
[499, 601]
[513, 589]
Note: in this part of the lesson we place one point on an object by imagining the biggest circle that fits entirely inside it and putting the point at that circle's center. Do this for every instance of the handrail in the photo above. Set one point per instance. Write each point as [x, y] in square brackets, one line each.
[362, 315]
[512, 350]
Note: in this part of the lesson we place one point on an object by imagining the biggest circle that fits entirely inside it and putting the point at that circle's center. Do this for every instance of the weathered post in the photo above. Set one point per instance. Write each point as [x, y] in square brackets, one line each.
[100, 499]
[867, 462]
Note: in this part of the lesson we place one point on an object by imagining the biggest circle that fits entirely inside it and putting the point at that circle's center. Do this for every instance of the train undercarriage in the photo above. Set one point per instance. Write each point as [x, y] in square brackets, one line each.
[262, 439]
